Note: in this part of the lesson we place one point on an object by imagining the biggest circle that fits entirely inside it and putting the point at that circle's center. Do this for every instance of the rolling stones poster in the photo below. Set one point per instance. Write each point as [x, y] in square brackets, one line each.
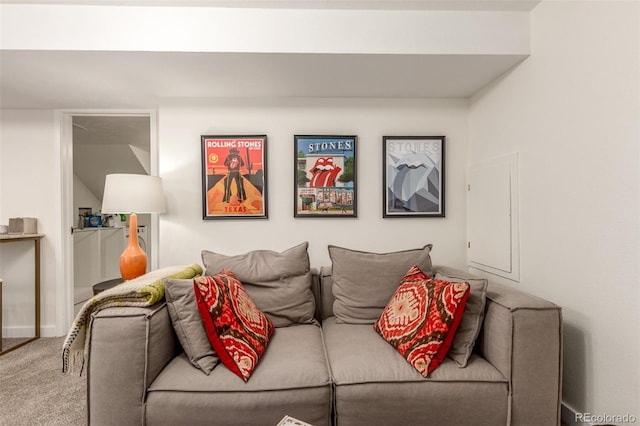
[234, 183]
[325, 176]
[413, 170]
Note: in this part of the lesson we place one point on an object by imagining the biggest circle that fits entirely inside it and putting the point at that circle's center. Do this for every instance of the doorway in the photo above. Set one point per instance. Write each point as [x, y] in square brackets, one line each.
[103, 145]
[96, 144]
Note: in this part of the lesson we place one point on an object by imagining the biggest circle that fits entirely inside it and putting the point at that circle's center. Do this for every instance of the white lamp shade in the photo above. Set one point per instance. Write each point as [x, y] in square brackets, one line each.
[127, 193]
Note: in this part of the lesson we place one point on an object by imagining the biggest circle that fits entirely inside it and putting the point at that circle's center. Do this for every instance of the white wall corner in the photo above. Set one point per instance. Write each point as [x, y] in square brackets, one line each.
[568, 416]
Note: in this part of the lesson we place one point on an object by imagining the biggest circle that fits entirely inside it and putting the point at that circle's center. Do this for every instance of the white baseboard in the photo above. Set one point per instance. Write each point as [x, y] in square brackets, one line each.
[571, 417]
[27, 331]
[568, 416]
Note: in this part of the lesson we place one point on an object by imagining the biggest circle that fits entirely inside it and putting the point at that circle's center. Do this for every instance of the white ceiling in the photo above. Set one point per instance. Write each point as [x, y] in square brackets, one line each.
[112, 129]
[502, 5]
[109, 144]
[61, 79]
[117, 79]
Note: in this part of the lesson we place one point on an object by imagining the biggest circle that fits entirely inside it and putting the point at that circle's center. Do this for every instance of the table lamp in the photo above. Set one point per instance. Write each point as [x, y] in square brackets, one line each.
[129, 193]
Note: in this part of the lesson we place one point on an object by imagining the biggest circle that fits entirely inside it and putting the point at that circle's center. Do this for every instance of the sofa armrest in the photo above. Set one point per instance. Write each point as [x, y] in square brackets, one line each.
[522, 337]
[128, 348]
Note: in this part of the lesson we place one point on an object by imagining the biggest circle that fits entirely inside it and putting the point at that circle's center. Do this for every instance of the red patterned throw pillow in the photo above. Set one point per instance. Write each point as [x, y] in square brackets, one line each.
[238, 331]
[421, 318]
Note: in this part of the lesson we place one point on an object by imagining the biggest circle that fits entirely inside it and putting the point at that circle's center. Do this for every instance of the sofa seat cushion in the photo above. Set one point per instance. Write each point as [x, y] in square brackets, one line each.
[292, 378]
[365, 368]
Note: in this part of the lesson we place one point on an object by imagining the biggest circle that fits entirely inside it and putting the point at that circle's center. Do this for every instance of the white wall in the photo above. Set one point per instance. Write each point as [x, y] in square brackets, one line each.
[29, 165]
[30, 170]
[571, 111]
[83, 197]
[182, 122]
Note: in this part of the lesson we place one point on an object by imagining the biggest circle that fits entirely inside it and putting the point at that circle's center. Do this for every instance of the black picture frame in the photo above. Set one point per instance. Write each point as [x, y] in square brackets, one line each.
[234, 177]
[325, 178]
[413, 170]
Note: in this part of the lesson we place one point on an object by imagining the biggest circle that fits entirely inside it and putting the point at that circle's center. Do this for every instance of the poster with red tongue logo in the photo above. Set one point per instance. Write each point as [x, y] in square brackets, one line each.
[325, 176]
[234, 183]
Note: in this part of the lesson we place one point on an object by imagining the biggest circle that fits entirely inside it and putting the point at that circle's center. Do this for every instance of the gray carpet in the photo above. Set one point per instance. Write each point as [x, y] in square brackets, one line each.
[33, 390]
[9, 342]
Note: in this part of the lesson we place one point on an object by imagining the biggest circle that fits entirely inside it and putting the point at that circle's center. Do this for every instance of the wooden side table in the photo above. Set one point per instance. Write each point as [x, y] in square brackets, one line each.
[0, 315]
[10, 238]
[106, 285]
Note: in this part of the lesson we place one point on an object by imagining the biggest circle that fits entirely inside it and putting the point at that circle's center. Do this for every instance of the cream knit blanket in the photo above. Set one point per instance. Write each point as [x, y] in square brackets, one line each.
[142, 291]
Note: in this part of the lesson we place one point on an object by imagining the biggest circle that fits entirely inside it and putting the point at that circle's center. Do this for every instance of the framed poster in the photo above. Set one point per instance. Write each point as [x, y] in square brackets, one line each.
[325, 176]
[413, 176]
[234, 177]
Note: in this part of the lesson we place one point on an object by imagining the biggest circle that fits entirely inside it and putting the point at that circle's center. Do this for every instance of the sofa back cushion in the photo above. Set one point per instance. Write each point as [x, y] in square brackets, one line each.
[363, 282]
[188, 325]
[469, 328]
[326, 293]
[278, 282]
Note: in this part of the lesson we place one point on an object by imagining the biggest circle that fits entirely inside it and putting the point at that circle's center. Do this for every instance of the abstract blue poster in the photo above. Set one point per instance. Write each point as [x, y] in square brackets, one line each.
[413, 169]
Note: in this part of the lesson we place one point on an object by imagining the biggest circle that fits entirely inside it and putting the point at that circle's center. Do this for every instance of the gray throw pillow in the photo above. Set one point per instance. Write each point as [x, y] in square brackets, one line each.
[278, 283]
[364, 282]
[188, 325]
[471, 322]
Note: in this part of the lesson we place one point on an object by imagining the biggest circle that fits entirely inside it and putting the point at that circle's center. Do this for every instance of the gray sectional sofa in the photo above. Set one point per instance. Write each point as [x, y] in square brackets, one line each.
[326, 371]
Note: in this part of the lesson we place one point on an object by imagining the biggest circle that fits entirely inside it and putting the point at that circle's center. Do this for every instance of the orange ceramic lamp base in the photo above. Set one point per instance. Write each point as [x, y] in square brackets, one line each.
[133, 261]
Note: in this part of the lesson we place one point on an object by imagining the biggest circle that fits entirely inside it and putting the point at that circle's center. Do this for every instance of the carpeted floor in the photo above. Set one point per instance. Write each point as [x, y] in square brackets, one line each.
[33, 390]
[7, 343]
